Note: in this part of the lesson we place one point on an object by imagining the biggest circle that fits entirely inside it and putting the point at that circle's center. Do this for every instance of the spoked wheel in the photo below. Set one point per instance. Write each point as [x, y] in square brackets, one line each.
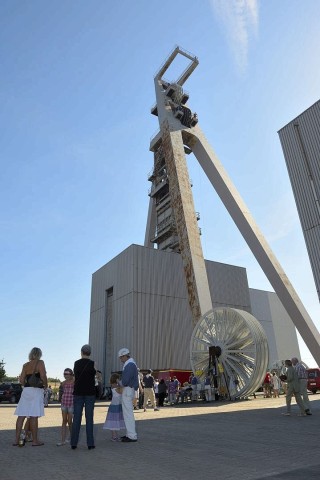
[242, 355]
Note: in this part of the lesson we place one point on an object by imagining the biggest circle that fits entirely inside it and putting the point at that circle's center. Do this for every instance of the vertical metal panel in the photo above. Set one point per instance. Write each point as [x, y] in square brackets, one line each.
[281, 334]
[300, 141]
[162, 315]
[117, 274]
[228, 285]
[187, 227]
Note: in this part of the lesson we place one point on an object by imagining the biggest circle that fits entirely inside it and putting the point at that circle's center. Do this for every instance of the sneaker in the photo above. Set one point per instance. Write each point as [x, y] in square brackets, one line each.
[308, 412]
[156, 409]
[127, 439]
[59, 444]
[115, 439]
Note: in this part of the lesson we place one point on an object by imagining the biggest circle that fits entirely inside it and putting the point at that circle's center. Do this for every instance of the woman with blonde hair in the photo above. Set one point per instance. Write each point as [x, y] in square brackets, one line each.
[31, 402]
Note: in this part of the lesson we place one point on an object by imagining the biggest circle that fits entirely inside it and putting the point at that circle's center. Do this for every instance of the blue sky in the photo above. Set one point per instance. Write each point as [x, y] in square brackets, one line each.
[76, 89]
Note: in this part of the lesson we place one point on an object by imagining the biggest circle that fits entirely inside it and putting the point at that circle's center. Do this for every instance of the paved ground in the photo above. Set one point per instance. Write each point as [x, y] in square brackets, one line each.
[248, 440]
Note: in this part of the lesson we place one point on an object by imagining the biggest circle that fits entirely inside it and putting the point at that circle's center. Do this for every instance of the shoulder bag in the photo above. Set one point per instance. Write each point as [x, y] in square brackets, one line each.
[35, 381]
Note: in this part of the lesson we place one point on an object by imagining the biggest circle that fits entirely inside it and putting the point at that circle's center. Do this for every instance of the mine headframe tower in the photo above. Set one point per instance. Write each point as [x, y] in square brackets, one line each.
[172, 220]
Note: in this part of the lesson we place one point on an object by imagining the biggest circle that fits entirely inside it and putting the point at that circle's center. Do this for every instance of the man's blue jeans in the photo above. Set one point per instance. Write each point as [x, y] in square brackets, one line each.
[80, 401]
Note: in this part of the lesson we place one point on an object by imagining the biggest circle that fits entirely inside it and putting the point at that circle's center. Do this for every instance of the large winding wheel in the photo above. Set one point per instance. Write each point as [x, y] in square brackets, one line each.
[232, 346]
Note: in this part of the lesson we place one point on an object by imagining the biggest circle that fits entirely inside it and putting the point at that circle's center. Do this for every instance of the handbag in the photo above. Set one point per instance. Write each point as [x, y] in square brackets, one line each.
[33, 380]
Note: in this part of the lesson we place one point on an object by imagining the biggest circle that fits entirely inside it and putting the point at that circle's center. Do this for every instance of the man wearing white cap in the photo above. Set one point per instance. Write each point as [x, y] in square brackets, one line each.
[130, 383]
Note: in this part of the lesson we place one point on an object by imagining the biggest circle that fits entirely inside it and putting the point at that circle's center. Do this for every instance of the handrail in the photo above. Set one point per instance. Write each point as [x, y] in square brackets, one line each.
[155, 134]
[187, 72]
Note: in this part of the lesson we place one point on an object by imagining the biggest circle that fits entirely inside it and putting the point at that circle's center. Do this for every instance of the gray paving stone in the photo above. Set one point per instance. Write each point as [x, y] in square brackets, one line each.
[229, 441]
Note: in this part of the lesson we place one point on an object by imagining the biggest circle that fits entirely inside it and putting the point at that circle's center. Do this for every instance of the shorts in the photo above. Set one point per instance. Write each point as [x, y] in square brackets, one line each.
[67, 409]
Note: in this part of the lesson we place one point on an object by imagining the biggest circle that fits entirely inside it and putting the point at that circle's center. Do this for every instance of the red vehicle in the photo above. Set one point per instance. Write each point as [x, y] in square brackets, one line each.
[182, 375]
[313, 379]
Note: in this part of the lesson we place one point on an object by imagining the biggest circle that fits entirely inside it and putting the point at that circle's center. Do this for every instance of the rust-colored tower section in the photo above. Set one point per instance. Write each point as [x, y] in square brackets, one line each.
[172, 221]
[186, 222]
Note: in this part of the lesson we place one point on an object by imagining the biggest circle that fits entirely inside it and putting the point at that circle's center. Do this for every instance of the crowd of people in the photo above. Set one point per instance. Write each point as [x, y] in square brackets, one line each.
[131, 391]
[272, 385]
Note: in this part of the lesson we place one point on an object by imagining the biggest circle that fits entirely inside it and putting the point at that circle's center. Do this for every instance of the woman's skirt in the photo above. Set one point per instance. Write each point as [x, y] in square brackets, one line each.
[30, 403]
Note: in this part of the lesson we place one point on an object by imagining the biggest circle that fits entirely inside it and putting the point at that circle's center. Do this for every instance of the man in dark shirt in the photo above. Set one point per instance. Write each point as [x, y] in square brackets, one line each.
[84, 396]
[148, 381]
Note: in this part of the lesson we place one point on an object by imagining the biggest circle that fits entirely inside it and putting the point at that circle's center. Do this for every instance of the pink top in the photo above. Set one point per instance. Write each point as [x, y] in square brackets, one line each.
[67, 396]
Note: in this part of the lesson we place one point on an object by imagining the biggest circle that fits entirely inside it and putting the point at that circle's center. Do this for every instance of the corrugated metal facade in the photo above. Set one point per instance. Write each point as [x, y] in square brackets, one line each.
[300, 141]
[150, 310]
[281, 334]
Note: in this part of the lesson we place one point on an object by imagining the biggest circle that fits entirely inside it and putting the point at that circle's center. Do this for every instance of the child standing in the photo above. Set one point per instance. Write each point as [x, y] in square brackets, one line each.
[66, 393]
[27, 430]
[114, 420]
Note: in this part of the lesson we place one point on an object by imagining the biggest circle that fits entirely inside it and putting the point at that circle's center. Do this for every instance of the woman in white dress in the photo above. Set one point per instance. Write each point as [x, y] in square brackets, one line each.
[31, 402]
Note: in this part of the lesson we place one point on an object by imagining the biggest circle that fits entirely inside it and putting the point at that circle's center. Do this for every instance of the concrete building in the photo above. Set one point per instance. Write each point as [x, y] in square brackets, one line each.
[140, 300]
[300, 140]
[282, 336]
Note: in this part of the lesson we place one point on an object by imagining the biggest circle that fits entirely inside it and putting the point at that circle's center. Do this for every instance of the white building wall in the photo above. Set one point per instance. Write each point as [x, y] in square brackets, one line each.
[300, 140]
[280, 331]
